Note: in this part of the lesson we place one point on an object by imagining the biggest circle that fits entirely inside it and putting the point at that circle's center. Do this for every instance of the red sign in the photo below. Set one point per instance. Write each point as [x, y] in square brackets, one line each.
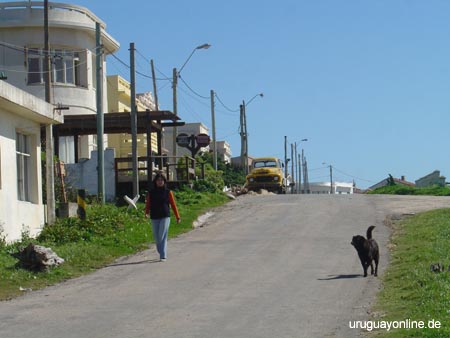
[203, 140]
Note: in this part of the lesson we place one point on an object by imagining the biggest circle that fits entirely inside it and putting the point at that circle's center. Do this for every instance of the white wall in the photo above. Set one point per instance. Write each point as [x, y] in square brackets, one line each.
[24, 113]
[324, 188]
[84, 175]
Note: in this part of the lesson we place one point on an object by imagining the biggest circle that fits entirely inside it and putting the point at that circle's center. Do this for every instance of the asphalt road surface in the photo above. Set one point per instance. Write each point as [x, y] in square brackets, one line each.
[262, 266]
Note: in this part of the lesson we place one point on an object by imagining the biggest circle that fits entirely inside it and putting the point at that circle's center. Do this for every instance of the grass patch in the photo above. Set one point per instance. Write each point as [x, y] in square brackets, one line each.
[399, 189]
[411, 290]
[108, 233]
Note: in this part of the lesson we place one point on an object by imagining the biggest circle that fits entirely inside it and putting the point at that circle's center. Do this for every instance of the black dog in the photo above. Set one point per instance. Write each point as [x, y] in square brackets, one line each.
[367, 251]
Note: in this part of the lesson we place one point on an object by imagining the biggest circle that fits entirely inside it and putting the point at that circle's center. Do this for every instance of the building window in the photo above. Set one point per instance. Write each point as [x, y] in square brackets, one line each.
[65, 66]
[23, 157]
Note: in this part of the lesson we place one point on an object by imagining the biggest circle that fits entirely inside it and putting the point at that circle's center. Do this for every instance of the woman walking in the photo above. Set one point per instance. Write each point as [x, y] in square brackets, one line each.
[157, 207]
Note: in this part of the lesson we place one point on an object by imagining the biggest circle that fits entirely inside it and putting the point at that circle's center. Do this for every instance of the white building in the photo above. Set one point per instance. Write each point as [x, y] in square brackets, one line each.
[73, 51]
[224, 151]
[324, 188]
[21, 116]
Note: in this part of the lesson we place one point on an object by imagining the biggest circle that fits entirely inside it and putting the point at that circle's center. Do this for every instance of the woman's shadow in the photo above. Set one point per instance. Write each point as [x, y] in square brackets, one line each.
[134, 263]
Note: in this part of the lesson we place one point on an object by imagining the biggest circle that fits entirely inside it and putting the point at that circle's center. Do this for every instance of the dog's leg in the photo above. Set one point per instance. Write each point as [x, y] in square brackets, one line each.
[365, 267]
[376, 266]
[363, 264]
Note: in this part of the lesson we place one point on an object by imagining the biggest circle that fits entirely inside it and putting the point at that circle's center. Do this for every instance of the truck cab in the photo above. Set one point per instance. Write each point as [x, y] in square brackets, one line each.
[267, 173]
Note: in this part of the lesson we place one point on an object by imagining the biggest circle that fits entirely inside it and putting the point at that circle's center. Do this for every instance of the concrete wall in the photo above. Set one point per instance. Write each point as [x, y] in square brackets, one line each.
[83, 175]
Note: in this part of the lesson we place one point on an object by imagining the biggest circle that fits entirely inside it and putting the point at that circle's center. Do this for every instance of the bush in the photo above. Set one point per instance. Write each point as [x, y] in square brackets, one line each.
[101, 220]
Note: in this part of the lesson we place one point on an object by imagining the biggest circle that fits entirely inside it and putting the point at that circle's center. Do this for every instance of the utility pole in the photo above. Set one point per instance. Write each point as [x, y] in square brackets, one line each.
[155, 95]
[305, 174]
[299, 174]
[100, 122]
[292, 164]
[285, 158]
[134, 155]
[155, 92]
[245, 139]
[331, 179]
[241, 110]
[213, 122]
[50, 173]
[174, 88]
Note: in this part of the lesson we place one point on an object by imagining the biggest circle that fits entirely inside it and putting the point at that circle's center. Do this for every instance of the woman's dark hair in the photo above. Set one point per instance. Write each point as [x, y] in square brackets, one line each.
[157, 176]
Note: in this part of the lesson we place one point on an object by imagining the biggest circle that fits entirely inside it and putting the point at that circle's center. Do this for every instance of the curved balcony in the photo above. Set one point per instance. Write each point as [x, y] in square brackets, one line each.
[30, 14]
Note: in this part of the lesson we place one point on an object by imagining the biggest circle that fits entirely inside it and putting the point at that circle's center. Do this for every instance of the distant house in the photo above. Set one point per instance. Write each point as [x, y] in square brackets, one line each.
[434, 178]
[385, 182]
[119, 100]
[21, 205]
[224, 151]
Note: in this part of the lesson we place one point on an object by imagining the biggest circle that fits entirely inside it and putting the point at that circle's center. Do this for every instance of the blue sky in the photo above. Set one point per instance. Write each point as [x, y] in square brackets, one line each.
[367, 82]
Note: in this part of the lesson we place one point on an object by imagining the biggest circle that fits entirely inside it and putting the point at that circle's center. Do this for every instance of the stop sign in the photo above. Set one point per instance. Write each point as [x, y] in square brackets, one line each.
[203, 140]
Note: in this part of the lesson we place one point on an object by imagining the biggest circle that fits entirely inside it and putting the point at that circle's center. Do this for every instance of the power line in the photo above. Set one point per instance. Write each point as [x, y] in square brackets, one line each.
[230, 110]
[358, 178]
[193, 91]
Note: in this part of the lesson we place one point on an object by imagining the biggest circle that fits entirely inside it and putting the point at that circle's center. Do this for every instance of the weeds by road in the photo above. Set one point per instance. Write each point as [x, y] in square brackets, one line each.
[108, 233]
[414, 297]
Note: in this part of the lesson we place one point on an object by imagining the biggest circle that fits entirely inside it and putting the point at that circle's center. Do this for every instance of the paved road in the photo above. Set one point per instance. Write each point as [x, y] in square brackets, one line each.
[263, 266]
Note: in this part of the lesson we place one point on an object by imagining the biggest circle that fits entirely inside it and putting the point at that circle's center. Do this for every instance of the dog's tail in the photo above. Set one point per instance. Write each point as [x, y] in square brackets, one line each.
[369, 231]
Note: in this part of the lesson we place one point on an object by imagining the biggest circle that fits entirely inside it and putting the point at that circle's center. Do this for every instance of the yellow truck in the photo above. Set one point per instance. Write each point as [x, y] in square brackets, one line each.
[267, 173]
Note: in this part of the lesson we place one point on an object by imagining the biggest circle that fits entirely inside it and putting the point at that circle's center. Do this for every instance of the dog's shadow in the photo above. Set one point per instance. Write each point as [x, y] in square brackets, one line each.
[334, 277]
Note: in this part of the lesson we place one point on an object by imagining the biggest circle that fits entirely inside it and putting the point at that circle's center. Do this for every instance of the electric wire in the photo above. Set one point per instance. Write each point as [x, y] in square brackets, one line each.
[221, 102]
[193, 91]
[352, 176]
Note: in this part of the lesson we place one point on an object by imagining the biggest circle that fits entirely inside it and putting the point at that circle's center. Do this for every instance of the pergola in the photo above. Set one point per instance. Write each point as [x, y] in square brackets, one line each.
[149, 121]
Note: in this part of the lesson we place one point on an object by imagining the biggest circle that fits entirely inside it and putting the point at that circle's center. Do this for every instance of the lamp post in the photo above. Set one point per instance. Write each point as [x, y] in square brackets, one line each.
[176, 74]
[244, 135]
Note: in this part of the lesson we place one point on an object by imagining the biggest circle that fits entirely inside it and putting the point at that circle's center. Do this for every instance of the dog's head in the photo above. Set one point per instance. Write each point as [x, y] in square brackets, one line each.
[358, 241]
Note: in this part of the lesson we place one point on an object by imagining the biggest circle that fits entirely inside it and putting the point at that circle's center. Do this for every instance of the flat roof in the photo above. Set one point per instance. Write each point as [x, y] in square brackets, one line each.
[116, 123]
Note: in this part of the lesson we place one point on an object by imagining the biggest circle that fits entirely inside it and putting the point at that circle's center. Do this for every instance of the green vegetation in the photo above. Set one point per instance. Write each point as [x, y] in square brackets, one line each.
[108, 233]
[411, 290]
[230, 176]
[398, 189]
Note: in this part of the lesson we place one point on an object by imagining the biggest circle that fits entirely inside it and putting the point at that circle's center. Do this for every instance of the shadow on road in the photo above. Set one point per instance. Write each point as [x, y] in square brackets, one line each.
[134, 263]
[333, 277]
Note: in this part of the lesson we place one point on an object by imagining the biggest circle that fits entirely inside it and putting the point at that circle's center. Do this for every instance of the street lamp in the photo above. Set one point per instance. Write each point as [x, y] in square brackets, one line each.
[176, 75]
[204, 46]
[331, 177]
[244, 135]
